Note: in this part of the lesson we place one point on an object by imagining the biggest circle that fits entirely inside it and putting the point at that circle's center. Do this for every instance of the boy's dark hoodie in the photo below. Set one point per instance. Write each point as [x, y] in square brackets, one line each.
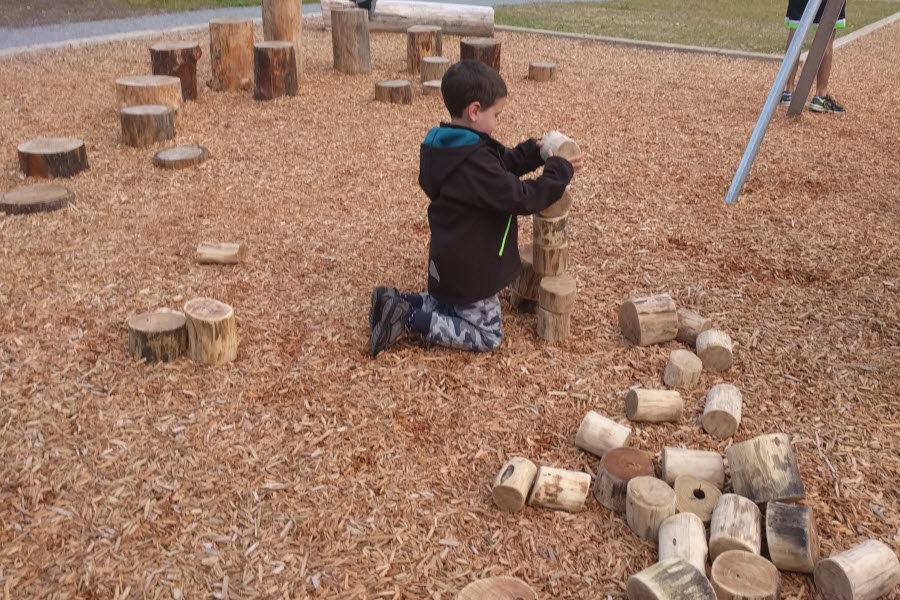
[473, 183]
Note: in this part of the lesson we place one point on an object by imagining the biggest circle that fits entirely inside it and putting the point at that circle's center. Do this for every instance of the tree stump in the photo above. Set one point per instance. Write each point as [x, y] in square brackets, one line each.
[394, 91]
[231, 54]
[703, 464]
[431, 88]
[560, 207]
[684, 535]
[177, 59]
[696, 496]
[422, 41]
[792, 537]
[556, 294]
[650, 320]
[648, 502]
[42, 197]
[274, 70]
[549, 232]
[559, 489]
[229, 253]
[598, 435]
[670, 579]
[147, 90]
[159, 336]
[283, 21]
[553, 327]
[433, 68]
[559, 144]
[551, 261]
[653, 406]
[617, 468]
[513, 484]
[736, 525]
[145, 125]
[864, 572]
[541, 71]
[487, 50]
[683, 369]
[722, 412]
[180, 157]
[764, 469]
[737, 574]
[212, 331]
[714, 349]
[690, 325]
[497, 588]
[350, 40]
[52, 157]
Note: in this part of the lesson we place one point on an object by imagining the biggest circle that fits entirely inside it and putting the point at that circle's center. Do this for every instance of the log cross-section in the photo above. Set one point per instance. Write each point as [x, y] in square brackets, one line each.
[736, 525]
[541, 71]
[177, 59]
[867, 571]
[792, 537]
[180, 157]
[649, 320]
[41, 197]
[433, 68]
[598, 435]
[684, 535]
[559, 489]
[159, 336]
[52, 157]
[648, 502]
[737, 574]
[617, 468]
[145, 90]
[145, 125]
[394, 91]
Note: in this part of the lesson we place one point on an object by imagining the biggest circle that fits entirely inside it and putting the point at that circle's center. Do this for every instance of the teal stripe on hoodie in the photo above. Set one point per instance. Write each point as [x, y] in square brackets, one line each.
[449, 137]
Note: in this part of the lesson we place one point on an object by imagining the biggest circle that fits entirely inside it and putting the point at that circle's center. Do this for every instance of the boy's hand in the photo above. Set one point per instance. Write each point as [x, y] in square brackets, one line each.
[577, 161]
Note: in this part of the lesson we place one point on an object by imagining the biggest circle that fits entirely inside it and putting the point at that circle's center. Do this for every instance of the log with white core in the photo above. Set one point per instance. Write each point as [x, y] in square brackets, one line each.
[485, 49]
[649, 320]
[394, 91]
[431, 88]
[696, 496]
[690, 325]
[864, 572]
[52, 157]
[559, 144]
[350, 41]
[397, 16]
[648, 502]
[722, 411]
[422, 41]
[177, 59]
[513, 483]
[497, 588]
[282, 20]
[551, 326]
[560, 208]
[551, 261]
[541, 71]
[556, 294]
[528, 283]
[559, 489]
[653, 406]
[792, 537]
[212, 331]
[764, 469]
[145, 125]
[736, 525]
[145, 90]
[684, 535]
[670, 579]
[274, 70]
[549, 232]
[231, 54]
[159, 336]
[683, 369]
[180, 157]
[227, 253]
[737, 574]
[714, 349]
[433, 68]
[598, 435]
[617, 468]
[42, 197]
[703, 464]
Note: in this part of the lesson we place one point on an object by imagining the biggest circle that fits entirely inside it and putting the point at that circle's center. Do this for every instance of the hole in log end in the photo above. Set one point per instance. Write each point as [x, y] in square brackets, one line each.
[699, 494]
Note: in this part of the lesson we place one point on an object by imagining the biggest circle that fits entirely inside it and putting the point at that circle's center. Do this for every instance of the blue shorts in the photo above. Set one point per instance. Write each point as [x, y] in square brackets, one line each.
[795, 11]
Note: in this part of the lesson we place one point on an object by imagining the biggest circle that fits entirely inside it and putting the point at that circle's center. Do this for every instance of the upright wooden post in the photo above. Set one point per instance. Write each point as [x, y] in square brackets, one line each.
[146, 90]
[211, 330]
[52, 157]
[145, 125]
[231, 54]
[684, 535]
[422, 41]
[177, 59]
[350, 40]
[792, 537]
[736, 525]
[274, 70]
[487, 50]
[283, 21]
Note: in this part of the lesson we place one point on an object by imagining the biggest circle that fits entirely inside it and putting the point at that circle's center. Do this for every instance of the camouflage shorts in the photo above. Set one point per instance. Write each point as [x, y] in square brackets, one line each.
[473, 326]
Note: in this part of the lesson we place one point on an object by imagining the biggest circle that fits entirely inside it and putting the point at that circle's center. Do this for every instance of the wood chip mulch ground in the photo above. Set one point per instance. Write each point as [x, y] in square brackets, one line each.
[305, 469]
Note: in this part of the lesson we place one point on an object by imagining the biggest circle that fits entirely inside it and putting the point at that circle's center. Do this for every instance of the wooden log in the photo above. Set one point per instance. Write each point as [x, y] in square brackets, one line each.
[177, 59]
[522, 304]
[52, 157]
[714, 349]
[399, 15]
[560, 207]
[648, 502]
[350, 41]
[683, 369]
[159, 336]
[559, 489]
[394, 91]
[670, 579]
[513, 484]
[559, 144]
[736, 525]
[598, 435]
[431, 88]
[212, 331]
[792, 537]
[485, 49]
[653, 406]
[228, 253]
[146, 90]
[617, 468]
[433, 68]
[541, 71]
[696, 496]
[683, 535]
[549, 232]
[180, 157]
[231, 54]
[722, 411]
[690, 325]
[649, 320]
[41, 197]
[702, 464]
[145, 125]
[422, 41]
[556, 294]
[867, 571]
[528, 283]
[553, 327]
[497, 588]
[737, 575]
[274, 70]
[283, 21]
[551, 261]
[764, 469]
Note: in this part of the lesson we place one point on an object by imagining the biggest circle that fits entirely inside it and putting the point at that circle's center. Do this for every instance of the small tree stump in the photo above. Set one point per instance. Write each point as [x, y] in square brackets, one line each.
[690, 325]
[513, 483]
[422, 41]
[722, 412]
[487, 50]
[648, 502]
[714, 349]
[528, 282]
[180, 157]
[736, 525]
[497, 588]
[147, 90]
[41, 197]
[670, 579]
[560, 207]
[737, 574]
[433, 68]
[792, 537]
[556, 294]
[653, 406]
[177, 59]
[617, 468]
[350, 40]
[541, 71]
[394, 91]
[549, 232]
[231, 54]
[696, 496]
[553, 327]
[522, 304]
[864, 572]
[559, 144]
[650, 320]
[551, 261]
[52, 157]
[559, 489]
[598, 435]
[145, 125]
[212, 331]
[274, 70]
[283, 21]
[684, 535]
[159, 336]
[229, 253]
[706, 465]
[683, 369]
[432, 87]
[764, 469]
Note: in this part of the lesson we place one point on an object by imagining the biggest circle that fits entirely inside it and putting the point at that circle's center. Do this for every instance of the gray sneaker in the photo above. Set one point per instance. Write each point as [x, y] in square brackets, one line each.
[379, 296]
[825, 104]
[786, 98]
[391, 326]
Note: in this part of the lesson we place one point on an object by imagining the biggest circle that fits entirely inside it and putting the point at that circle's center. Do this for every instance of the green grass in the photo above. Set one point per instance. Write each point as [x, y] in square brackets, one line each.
[749, 25]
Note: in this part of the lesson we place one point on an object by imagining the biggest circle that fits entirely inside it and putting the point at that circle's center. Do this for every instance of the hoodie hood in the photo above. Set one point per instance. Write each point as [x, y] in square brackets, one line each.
[443, 150]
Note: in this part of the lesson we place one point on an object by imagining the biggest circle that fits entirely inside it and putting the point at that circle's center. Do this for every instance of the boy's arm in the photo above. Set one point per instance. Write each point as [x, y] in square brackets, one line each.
[502, 191]
[524, 158]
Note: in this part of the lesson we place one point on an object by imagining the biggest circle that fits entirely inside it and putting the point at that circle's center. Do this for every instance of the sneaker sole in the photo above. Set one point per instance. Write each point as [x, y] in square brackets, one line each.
[390, 326]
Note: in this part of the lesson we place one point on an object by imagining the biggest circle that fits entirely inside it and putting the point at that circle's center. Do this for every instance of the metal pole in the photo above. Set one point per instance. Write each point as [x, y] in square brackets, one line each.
[765, 117]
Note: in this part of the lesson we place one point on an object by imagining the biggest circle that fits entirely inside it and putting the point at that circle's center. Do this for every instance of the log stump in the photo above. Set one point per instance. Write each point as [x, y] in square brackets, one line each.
[560, 207]
[422, 41]
[737, 574]
[696, 496]
[649, 320]
[690, 325]
[864, 572]
[736, 525]
[397, 16]
[159, 336]
[487, 50]
[553, 327]
[431, 88]
[146, 125]
[684, 535]
[231, 54]
[764, 469]
[147, 90]
[541, 71]
[653, 406]
[648, 502]
[792, 537]
[722, 411]
[598, 435]
[670, 579]
[497, 588]
[556, 294]
[274, 70]
[394, 91]
[433, 68]
[513, 484]
[683, 369]
[559, 144]
[212, 331]
[350, 40]
[180, 157]
[283, 21]
[706, 465]
[549, 232]
[559, 489]
[228, 253]
[551, 261]
[52, 157]
[617, 468]
[41, 197]
[714, 349]
[527, 284]
[177, 59]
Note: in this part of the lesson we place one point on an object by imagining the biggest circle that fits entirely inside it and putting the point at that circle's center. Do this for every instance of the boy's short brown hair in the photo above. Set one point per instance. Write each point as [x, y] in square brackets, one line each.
[471, 81]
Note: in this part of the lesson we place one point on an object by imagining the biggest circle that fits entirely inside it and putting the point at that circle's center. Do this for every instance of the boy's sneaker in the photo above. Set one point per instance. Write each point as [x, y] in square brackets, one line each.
[391, 326]
[379, 295]
[825, 104]
[786, 98]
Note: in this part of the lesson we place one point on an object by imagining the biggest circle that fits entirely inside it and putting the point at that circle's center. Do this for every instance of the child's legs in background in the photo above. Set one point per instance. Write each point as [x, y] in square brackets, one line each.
[473, 326]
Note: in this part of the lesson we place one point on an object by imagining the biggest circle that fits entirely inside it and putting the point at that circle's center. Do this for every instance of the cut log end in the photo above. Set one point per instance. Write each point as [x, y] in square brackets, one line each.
[722, 412]
[598, 435]
[714, 349]
[159, 336]
[541, 71]
[736, 525]
[212, 331]
[177, 59]
[42, 197]
[486, 50]
[617, 468]
[648, 502]
[865, 572]
[147, 90]
[683, 369]
[274, 70]
[432, 87]
[706, 465]
[497, 588]
[228, 253]
[394, 91]
[792, 537]
[737, 574]
[433, 68]
[146, 125]
[513, 484]
[696, 496]
[765, 468]
[649, 320]
[556, 294]
[52, 157]
[180, 157]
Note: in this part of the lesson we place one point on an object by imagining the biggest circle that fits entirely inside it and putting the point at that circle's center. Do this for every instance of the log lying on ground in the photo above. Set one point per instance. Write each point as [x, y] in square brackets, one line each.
[559, 489]
[394, 91]
[617, 468]
[556, 294]
[283, 21]
[598, 435]
[736, 525]
[42, 197]
[714, 349]
[792, 537]
[684, 535]
[736, 575]
[670, 579]
[350, 41]
[231, 54]
[145, 125]
[177, 59]
[399, 15]
[513, 484]
[696, 496]
[433, 68]
[864, 572]
[431, 88]
[722, 411]
[52, 157]
[559, 208]
[274, 70]
[690, 325]
[422, 41]
[653, 406]
[145, 90]
[648, 502]
[765, 469]
[159, 336]
[497, 588]
[551, 261]
[541, 71]
[649, 320]
[486, 50]
[683, 369]
[212, 331]
[180, 157]
[228, 253]
[702, 464]
[549, 232]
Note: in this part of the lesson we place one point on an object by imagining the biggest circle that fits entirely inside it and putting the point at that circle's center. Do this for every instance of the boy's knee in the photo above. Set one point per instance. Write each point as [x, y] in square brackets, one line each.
[491, 342]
